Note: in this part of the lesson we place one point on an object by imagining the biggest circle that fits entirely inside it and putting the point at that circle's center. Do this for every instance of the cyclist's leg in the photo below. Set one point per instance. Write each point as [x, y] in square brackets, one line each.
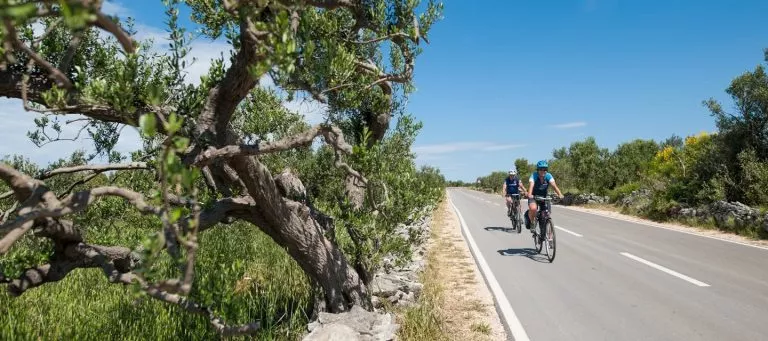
[532, 209]
[508, 199]
[542, 228]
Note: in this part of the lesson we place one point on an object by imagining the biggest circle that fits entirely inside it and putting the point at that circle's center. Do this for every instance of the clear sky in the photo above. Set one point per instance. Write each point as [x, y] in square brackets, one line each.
[507, 79]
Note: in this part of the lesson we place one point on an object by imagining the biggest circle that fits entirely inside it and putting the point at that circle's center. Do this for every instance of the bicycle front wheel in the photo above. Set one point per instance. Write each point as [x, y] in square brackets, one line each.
[549, 240]
[536, 233]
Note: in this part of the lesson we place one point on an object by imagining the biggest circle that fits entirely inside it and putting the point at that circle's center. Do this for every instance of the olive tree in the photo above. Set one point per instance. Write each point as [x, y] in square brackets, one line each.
[355, 56]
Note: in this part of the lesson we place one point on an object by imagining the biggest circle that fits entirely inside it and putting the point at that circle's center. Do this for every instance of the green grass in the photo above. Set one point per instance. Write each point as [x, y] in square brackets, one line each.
[241, 274]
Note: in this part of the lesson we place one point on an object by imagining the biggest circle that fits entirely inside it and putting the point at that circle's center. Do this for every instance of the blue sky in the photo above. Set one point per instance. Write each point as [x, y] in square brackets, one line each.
[507, 79]
[511, 73]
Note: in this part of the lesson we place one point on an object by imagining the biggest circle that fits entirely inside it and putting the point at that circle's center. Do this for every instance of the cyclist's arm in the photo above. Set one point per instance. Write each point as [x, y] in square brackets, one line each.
[530, 187]
[520, 185]
[504, 189]
[557, 189]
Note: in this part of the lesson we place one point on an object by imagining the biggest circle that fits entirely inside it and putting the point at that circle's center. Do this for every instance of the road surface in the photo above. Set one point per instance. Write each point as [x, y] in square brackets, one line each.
[616, 280]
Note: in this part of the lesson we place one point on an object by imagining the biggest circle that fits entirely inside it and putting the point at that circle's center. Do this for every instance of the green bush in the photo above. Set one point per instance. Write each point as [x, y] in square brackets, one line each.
[754, 178]
[622, 191]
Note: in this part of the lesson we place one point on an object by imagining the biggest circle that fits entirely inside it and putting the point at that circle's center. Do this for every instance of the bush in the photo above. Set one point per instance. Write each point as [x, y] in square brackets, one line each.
[754, 178]
[622, 191]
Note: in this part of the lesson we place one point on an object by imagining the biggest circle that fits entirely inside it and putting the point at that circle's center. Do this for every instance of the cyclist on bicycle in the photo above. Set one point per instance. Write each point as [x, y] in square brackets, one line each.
[512, 186]
[538, 185]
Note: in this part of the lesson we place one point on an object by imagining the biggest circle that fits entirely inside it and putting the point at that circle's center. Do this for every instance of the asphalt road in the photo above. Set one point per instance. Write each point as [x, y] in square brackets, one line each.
[616, 280]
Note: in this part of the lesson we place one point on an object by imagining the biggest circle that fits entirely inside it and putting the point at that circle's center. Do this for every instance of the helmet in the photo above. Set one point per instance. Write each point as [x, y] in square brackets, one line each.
[542, 164]
[512, 171]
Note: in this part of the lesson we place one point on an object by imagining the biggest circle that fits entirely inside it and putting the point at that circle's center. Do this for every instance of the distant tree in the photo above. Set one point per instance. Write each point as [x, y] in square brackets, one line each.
[745, 130]
[588, 165]
[631, 160]
[524, 168]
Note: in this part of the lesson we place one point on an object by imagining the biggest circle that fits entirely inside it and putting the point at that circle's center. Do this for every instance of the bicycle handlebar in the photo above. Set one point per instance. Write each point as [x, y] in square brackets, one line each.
[538, 198]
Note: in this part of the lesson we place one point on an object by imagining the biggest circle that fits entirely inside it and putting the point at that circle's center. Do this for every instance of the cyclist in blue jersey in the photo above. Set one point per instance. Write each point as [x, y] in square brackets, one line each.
[538, 185]
[512, 185]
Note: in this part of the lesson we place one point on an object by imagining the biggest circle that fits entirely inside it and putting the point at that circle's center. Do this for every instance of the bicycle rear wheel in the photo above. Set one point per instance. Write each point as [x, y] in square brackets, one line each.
[550, 240]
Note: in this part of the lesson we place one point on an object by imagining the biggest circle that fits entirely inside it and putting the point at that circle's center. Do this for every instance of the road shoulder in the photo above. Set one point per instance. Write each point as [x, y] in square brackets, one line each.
[704, 232]
[454, 290]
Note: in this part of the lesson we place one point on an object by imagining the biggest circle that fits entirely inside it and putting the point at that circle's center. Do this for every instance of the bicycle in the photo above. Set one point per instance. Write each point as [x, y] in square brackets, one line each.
[514, 213]
[544, 221]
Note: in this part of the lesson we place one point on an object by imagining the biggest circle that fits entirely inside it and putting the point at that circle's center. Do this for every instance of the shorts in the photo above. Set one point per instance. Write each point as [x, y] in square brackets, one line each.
[538, 203]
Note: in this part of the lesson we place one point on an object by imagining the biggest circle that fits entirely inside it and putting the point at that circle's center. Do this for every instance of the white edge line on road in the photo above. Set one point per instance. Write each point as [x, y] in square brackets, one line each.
[666, 228]
[518, 332]
[671, 272]
[567, 230]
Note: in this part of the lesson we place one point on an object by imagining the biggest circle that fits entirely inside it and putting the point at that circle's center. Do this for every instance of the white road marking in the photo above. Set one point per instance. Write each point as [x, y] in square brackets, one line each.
[518, 332]
[567, 230]
[671, 272]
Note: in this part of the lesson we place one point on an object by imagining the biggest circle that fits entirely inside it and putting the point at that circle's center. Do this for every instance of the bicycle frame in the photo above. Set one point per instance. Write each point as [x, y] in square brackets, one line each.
[543, 217]
[514, 212]
[545, 211]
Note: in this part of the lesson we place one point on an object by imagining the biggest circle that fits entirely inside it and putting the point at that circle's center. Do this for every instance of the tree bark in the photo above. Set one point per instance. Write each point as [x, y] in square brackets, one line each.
[291, 225]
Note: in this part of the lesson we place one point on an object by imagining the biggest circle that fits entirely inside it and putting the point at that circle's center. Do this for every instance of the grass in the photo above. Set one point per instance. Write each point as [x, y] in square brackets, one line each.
[425, 320]
[241, 274]
[448, 308]
[482, 328]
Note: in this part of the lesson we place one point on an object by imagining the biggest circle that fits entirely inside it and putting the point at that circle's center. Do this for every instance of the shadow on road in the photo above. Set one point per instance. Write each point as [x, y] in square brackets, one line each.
[502, 229]
[529, 253]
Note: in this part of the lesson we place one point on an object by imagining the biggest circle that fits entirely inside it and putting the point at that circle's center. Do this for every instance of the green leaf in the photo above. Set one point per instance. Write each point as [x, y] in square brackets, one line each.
[21, 11]
[180, 143]
[170, 158]
[175, 214]
[147, 124]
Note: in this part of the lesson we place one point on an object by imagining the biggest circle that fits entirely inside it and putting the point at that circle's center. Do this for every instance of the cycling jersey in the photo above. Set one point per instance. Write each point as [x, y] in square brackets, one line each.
[513, 185]
[541, 186]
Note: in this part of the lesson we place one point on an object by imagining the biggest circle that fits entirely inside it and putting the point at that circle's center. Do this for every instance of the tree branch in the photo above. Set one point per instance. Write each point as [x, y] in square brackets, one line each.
[237, 82]
[382, 38]
[54, 72]
[94, 168]
[21, 184]
[73, 256]
[53, 208]
[110, 26]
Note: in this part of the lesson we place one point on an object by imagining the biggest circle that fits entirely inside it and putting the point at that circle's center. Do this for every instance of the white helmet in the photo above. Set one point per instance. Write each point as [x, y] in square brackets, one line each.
[512, 172]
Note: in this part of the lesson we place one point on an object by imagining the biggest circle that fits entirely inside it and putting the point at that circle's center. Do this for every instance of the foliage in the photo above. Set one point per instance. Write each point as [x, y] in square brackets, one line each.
[493, 182]
[524, 168]
[742, 131]
[209, 154]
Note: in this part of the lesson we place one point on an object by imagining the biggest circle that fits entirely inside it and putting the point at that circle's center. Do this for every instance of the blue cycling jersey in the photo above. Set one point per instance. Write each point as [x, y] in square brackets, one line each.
[541, 186]
[513, 185]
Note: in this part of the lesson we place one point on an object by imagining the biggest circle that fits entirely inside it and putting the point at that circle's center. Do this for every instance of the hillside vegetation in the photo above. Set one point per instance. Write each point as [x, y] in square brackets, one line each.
[709, 179]
[230, 220]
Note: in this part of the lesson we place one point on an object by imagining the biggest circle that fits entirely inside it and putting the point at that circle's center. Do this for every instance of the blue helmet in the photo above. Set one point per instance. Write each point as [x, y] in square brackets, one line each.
[542, 164]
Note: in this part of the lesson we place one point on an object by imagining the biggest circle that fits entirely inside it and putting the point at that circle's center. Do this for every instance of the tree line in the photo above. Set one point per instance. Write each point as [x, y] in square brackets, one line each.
[729, 164]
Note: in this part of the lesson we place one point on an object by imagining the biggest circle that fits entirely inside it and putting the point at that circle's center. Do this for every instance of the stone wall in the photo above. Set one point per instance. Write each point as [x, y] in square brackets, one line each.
[399, 286]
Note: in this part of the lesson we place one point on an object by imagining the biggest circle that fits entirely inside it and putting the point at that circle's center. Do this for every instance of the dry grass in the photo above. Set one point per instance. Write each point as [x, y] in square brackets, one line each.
[455, 304]
[604, 207]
